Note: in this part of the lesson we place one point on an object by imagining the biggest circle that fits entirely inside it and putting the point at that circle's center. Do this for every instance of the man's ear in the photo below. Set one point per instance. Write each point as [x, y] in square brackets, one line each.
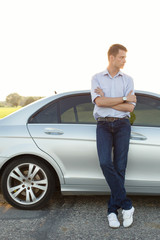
[111, 57]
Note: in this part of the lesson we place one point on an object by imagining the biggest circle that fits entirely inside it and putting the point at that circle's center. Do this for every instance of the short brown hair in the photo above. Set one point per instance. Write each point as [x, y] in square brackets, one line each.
[114, 49]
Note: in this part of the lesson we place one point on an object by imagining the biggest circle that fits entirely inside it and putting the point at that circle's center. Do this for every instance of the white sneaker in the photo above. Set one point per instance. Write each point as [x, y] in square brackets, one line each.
[128, 217]
[113, 220]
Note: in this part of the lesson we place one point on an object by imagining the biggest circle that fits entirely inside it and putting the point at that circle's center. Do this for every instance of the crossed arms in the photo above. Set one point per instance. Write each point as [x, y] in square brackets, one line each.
[115, 103]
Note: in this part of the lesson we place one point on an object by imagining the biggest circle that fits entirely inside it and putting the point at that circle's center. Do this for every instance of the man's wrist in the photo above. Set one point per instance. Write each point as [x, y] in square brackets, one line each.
[124, 99]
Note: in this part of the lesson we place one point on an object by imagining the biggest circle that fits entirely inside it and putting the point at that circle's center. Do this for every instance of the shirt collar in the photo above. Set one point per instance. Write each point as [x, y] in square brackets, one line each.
[118, 74]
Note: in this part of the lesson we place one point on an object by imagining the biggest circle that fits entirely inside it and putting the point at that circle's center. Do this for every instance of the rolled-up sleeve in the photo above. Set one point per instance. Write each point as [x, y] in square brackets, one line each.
[94, 85]
[130, 87]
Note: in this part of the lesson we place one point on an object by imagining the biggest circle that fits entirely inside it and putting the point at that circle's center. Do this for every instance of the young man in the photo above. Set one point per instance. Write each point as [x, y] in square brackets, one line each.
[113, 95]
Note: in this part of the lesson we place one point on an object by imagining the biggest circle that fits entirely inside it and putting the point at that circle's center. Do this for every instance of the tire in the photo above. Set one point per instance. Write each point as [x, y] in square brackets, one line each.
[27, 183]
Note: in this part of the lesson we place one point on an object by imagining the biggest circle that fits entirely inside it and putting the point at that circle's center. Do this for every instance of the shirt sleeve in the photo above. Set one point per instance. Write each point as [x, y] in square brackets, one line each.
[94, 85]
[130, 87]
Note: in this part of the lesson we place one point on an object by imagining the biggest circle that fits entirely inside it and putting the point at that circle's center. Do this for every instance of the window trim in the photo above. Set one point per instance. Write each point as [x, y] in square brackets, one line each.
[58, 107]
[149, 96]
[83, 94]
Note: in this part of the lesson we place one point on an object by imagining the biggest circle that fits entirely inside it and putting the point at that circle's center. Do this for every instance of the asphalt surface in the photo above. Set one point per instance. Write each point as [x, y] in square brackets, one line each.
[79, 217]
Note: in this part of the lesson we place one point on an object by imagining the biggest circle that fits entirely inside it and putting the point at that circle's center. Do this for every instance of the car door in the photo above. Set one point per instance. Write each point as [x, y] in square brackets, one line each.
[143, 170]
[66, 130]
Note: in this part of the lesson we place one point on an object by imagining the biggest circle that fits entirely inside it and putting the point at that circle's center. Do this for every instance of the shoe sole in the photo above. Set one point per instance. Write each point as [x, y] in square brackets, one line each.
[114, 227]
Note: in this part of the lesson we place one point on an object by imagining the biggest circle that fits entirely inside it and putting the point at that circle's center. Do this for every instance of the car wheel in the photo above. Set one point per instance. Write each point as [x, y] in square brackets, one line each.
[27, 183]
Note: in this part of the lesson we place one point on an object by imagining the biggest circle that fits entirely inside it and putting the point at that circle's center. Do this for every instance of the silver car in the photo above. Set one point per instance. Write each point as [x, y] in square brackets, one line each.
[51, 144]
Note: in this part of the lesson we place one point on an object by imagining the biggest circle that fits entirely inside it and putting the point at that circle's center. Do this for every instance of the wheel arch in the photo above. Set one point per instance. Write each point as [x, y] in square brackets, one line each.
[57, 180]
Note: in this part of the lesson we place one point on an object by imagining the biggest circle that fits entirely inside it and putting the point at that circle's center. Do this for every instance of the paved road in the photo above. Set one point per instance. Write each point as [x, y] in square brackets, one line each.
[78, 217]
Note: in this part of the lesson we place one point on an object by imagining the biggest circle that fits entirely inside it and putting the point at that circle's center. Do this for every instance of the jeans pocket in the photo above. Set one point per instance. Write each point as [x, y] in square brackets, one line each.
[126, 121]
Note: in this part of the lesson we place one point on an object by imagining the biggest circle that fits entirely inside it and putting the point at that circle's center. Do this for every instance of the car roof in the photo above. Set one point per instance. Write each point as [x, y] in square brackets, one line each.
[22, 115]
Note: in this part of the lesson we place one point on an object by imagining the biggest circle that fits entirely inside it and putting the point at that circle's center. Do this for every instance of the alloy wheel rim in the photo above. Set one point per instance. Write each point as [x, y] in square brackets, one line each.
[27, 183]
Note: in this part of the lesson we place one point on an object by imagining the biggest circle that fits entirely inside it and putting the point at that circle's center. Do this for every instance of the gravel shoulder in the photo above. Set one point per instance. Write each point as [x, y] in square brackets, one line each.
[79, 217]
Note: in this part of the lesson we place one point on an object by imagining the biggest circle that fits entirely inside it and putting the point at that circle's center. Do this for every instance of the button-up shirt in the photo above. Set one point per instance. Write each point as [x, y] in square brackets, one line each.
[118, 86]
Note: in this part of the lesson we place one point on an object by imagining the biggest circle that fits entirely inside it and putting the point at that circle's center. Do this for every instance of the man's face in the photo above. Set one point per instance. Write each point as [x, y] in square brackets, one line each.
[119, 60]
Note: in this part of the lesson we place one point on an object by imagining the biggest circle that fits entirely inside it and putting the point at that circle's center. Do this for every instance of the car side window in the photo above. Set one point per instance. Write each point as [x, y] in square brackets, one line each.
[48, 114]
[77, 109]
[147, 111]
[71, 109]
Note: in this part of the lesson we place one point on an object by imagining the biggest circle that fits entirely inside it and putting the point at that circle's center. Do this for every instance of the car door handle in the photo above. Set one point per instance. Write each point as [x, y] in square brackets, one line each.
[53, 131]
[137, 136]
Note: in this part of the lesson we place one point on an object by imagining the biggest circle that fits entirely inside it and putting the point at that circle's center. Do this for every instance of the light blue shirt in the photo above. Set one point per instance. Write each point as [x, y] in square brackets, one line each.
[118, 86]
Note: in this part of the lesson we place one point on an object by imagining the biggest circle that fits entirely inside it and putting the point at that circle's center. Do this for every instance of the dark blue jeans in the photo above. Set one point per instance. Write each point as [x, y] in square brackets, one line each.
[114, 135]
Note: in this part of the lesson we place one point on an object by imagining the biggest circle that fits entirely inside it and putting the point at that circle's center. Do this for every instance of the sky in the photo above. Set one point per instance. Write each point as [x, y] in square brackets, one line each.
[58, 45]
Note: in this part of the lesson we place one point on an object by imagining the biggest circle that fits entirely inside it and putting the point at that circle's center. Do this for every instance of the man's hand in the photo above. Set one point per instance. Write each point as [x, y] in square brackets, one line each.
[124, 107]
[112, 102]
[131, 98]
[99, 91]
